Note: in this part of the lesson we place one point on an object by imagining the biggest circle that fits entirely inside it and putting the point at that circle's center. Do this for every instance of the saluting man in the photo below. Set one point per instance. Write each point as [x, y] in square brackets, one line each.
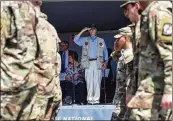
[94, 61]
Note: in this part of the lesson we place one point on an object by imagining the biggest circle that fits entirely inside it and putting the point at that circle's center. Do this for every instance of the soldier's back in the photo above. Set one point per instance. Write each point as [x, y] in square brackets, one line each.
[45, 69]
[17, 57]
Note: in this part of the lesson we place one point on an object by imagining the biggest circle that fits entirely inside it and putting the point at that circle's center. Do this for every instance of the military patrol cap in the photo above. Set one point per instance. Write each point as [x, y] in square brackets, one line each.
[127, 2]
[125, 31]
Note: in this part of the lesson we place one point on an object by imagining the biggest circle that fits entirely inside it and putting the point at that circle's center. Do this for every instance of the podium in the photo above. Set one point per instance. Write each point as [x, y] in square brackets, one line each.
[85, 112]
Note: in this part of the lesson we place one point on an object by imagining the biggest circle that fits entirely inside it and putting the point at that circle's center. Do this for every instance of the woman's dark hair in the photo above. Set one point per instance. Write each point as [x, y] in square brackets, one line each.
[73, 54]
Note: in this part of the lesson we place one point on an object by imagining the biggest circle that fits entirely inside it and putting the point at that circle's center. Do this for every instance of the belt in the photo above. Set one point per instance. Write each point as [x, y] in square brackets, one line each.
[93, 59]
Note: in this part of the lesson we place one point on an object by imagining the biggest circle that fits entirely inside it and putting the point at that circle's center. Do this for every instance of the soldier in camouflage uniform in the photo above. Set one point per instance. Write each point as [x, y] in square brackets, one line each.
[131, 9]
[48, 96]
[123, 44]
[18, 52]
[153, 98]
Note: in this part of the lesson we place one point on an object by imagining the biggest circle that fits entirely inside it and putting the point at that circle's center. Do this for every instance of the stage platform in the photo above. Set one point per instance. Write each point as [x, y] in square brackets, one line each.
[85, 112]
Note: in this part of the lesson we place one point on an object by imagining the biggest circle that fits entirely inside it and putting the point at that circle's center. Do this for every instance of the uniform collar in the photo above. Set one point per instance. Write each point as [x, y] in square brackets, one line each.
[145, 12]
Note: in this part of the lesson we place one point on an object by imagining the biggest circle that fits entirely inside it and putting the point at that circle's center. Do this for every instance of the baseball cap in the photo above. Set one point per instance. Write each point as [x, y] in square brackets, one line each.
[92, 26]
[125, 31]
[127, 2]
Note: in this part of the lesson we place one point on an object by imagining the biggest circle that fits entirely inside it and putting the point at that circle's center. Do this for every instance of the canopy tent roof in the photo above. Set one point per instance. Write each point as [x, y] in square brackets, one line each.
[72, 16]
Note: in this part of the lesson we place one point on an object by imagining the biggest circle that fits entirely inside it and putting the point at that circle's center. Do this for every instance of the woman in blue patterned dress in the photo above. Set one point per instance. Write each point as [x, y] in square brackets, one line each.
[74, 77]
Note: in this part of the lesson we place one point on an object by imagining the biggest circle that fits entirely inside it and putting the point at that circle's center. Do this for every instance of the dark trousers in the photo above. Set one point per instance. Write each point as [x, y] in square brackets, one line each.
[68, 89]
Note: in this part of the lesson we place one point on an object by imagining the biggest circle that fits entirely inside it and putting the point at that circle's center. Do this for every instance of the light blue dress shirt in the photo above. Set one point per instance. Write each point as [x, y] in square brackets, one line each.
[92, 52]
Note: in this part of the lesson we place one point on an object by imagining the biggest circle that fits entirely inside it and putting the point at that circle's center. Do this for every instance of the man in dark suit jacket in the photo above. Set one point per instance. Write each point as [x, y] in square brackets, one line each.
[64, 46]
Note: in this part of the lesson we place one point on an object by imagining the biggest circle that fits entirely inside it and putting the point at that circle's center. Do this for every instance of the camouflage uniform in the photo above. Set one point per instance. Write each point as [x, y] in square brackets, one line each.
[135, 28]
[133, 84]
[132, 87]
[48, 96]
[124, 75]
[18, 52]
[57, 99]
[155, 64]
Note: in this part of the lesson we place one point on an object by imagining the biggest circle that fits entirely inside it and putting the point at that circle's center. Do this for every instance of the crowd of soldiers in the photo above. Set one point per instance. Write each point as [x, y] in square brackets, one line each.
[144, 76]
[30, 64]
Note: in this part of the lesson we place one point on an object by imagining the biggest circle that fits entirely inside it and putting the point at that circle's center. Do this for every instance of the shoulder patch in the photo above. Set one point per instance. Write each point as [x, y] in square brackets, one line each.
[100, 44]
[167, 29]
[86, 43]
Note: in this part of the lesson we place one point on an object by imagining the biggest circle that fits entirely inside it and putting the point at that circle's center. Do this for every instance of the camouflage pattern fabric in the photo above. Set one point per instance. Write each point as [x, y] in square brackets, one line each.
[150, 114]
[115, 55]
[124, 76]
[133, 84]
[48, 96]
[155, 64]
[18, 52]
[124, 60]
